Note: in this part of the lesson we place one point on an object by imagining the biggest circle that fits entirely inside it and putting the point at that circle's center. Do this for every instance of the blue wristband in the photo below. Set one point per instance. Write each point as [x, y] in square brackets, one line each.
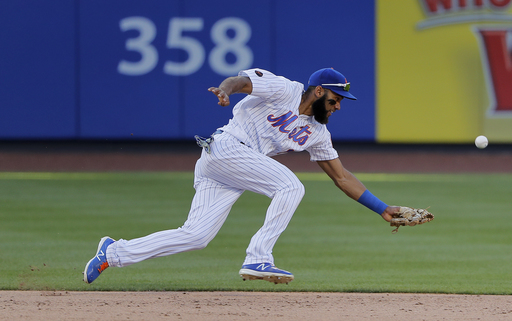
[372, 202]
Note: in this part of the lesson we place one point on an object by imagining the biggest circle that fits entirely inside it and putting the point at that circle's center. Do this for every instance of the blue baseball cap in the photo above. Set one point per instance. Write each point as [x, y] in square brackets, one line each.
[333, 80]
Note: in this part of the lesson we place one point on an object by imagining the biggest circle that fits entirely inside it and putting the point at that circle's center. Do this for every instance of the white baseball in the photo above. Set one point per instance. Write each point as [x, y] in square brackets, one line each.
[481, 142]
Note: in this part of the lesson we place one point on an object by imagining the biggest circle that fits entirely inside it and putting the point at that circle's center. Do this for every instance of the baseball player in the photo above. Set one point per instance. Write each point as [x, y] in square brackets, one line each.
[277, 116]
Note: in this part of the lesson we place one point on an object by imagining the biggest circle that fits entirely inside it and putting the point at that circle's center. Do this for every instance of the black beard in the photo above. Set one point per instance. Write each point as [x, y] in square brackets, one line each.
[319, 110]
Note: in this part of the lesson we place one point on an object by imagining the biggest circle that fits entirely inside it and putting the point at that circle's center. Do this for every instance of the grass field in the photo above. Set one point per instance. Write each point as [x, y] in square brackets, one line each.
[50, 224]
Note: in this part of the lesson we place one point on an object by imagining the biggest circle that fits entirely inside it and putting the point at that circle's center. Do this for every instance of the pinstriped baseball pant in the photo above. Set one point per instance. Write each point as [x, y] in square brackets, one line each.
[220, 179]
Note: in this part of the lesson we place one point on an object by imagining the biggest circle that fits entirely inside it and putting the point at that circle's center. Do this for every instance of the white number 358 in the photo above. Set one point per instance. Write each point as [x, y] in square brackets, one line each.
[224, 44]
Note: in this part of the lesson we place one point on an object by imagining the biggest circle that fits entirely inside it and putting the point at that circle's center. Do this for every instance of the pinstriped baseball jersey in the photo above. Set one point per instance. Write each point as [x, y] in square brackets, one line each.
[268, 119]
[268, 123]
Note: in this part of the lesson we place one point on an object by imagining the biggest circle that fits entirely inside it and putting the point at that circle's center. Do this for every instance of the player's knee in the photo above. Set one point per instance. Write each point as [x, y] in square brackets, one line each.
[299, 189]
[296, 188]
[199, 246]
[199, 242]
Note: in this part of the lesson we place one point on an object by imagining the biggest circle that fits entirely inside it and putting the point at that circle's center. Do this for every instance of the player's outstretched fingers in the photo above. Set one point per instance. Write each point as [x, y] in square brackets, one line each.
[223, 97]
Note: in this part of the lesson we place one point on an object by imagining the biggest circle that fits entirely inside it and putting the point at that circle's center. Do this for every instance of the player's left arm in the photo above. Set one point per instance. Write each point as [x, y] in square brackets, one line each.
[353, 188]
[231, 85]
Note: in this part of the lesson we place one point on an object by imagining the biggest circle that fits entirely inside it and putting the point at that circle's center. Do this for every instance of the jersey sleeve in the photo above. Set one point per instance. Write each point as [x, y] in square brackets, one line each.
[265, 84]
[323, 151]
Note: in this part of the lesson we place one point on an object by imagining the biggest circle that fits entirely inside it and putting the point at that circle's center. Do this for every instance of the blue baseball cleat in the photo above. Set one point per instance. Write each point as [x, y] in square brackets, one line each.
[98, 263]
[265, 271]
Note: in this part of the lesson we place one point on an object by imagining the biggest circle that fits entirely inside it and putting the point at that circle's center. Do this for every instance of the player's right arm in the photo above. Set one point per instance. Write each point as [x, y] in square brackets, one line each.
[231, 85]
[353, 187]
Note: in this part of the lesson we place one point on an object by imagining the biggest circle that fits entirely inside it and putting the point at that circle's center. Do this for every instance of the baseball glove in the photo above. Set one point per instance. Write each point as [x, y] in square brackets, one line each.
[408, 216]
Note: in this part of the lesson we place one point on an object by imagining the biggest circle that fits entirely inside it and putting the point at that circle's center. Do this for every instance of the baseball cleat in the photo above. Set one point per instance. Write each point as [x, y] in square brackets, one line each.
[98, 263]
[265, 271]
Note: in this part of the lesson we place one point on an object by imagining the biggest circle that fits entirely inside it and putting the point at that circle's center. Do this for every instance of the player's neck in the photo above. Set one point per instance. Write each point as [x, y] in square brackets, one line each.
[306, 103]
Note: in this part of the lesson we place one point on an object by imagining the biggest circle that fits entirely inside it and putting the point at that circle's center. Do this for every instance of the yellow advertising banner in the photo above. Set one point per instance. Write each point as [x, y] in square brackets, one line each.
[444, 70]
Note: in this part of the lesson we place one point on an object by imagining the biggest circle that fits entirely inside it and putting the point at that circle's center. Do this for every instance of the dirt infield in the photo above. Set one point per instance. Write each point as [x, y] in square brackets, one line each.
[230, 306]
[35, 305]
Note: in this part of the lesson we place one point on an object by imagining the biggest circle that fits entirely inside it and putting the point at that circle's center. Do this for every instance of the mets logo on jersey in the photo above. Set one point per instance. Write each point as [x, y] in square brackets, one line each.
[299, 135]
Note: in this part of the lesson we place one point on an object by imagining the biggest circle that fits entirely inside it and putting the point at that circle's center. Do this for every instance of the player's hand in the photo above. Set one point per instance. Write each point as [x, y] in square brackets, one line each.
[221, 94]
[388, 211]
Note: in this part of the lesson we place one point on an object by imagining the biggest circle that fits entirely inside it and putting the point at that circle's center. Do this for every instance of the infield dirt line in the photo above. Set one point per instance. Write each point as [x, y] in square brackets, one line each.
[63, 305]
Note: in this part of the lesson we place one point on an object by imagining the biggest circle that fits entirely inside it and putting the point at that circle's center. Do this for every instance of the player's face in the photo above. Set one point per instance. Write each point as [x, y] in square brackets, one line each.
[325, 106]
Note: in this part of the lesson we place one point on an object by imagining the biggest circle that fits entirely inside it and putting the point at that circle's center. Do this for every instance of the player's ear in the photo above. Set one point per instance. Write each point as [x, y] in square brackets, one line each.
[319, 91]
